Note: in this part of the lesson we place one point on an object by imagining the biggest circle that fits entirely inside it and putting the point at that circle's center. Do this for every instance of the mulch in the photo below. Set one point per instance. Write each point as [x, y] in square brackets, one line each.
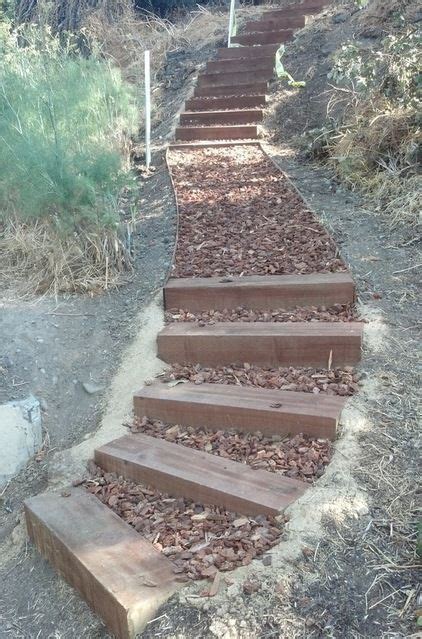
[343, 382]
[200, 541]
[240, 215]
[299, 457]
[336, 313]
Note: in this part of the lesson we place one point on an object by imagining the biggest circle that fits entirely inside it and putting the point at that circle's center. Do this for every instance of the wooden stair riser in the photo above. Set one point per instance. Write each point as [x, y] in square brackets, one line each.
[258, 88]
[235, 66]
[264, 37]
[102, 557]
[246, 53]
[237, 102]
[249, 116]
[212, 144]
[217, 132]
[275, 24]
[304, 8]
[273, 344]
[246, 409]
[204, 478]
[259, 292]
[233, 79]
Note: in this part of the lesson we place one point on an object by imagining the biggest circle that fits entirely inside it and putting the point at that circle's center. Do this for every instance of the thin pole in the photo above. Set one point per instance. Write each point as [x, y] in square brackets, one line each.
[231, 18]
[147, 110]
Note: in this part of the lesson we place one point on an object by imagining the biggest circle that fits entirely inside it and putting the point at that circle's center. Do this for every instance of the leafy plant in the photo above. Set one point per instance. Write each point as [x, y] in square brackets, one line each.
[63, 121]
[376, 142]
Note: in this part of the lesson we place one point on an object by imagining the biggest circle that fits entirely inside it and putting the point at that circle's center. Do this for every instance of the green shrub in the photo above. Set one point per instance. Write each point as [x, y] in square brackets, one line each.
[63, 121]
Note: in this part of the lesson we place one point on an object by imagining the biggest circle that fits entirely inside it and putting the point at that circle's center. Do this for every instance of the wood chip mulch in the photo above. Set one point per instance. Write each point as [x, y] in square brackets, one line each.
[240, 215]
[336, 313]
[337, 381]
[299, 457]
[200, 541]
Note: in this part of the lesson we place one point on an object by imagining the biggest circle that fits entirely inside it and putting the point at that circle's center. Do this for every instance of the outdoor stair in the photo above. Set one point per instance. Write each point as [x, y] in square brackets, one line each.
[103, 558]
[275, 24]
[247, 53]
[245, 116]
[234, 102]
[205, 478]
[243, 64]
[233, 78]
[259, 292]
[269, 344]
[233, 132]
[120, 574]
[256, 88]
[263, 37]
[241, 408]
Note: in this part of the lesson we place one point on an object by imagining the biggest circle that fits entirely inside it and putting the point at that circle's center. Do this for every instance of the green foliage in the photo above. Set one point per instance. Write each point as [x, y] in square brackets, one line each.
[374, 136]
[393, 71]
[63, 120]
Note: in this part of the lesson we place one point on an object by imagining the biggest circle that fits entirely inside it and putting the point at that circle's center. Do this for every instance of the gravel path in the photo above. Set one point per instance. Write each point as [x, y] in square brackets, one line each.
[240, 215]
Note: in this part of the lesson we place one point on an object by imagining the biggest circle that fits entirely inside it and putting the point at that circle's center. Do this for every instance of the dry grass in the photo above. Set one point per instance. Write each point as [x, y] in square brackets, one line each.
[36, 259]
[376, 151]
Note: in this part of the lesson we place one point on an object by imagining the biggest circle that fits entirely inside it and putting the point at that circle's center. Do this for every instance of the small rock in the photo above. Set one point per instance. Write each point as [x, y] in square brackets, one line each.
[92, 388]
[340, 17]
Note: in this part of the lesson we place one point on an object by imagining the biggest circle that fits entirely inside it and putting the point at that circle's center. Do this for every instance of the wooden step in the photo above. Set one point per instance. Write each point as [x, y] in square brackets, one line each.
[235, 102]
[275, 24]
[263, 344]
[258, 88]
[234, 132]
[212, 144]
[234, 78]
[207, 479]
[247, 116]
[308, 7]
[236, 53]
[243, 408]
[258, 292]
[101, 556]
[264, 37]
[232, 66]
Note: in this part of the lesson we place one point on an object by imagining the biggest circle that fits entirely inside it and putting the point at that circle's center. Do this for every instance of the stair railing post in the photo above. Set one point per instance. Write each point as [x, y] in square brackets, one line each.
[231, 21]
[147, 70]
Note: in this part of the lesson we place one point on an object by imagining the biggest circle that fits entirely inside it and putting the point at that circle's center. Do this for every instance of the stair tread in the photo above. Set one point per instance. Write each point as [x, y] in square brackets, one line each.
[262, 398]
[203, 477]
[222, 111]
[265, 328]
[105, 559]
[212, 143]
[259, 291]
[227, 91]
[262, 343]
[243, 53]
[264, 37]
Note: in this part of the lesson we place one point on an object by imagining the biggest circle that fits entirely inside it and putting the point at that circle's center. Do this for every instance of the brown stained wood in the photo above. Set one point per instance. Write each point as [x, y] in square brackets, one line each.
[309, 7]
[257, 88]
[233, 66]
[264, 37]
[236, 102]
[216, 132]
[247, 409]
[275, 24]
[205, 478]
[102, 557]
[213, 144]
[234, 78]
[251, 52]
[259, 292]
[262, 344]
[247, 116]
